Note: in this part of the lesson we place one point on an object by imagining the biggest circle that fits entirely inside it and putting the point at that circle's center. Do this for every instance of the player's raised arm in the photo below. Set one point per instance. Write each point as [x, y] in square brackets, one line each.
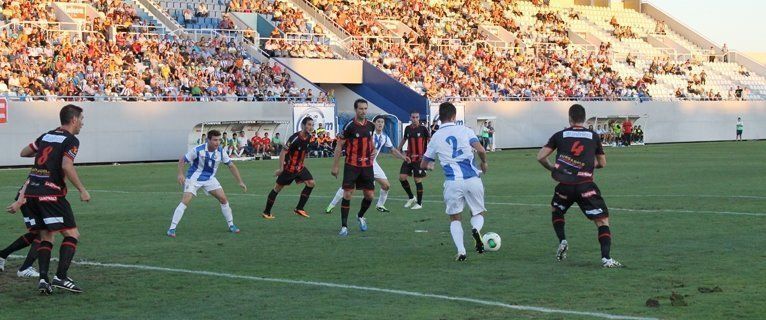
[481, 152]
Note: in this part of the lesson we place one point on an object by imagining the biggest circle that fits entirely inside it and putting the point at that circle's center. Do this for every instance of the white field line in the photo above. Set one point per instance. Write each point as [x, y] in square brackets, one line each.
[358, 288]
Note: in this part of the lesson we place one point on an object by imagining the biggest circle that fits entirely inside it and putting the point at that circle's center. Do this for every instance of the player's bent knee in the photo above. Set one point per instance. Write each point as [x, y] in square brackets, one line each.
[73, 233]
[600, 222]
[454, 217]
[310, 183]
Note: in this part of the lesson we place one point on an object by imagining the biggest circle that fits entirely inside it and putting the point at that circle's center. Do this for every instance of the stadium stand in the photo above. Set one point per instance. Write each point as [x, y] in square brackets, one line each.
[444, 50]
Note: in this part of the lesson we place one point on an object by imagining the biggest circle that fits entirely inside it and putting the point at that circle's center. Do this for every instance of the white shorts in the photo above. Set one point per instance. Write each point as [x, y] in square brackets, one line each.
[378, 171]
[459, 192]
[192, 186]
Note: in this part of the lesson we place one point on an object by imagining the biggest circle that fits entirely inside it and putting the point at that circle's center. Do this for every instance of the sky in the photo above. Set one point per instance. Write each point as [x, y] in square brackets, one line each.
[739, 23]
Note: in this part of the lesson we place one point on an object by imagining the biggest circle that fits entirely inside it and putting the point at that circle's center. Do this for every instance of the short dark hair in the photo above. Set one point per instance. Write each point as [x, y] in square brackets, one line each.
[446, 111]
[358, 101]
[577, 113]
[68, 113]
[414, 112]
[306, 120]
[213, 133]
[380, 116]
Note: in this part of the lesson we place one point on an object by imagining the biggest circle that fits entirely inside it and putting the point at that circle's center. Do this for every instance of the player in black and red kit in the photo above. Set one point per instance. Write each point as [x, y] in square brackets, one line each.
[49, 211]
[357, 172]
[416, 135]
[579, 153]
[292, 168]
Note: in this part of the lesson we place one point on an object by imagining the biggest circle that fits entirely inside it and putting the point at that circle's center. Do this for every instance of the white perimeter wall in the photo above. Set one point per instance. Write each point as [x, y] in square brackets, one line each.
[127, 131]
[530, 124]
[149, 131]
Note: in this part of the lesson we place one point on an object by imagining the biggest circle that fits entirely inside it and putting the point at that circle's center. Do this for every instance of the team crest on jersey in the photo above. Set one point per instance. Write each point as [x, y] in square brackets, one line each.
[357, 135]
[418, 135]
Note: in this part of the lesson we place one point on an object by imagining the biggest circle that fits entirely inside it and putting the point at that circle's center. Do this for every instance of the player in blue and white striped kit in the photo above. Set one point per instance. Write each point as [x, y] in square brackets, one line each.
[453, 145]
[204, 160]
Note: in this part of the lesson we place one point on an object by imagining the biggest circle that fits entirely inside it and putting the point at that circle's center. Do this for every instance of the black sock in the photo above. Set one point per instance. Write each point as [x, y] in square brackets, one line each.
[304, 197]
[365, 205]
[605, 239]
[270, 201]
[20, 243]
[344, 207]
[419, 188]
[44, 258]
[558, 225]
[406, 186]
[66, 253]
[31, 255]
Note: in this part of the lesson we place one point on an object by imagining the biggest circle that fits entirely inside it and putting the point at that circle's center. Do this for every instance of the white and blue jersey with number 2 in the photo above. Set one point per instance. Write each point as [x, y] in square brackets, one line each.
[452, 146]
[204, 163]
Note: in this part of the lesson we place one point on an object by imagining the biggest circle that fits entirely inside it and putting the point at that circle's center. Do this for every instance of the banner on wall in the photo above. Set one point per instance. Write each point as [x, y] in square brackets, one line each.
[3, 110]
[460, 116]
[323, 114]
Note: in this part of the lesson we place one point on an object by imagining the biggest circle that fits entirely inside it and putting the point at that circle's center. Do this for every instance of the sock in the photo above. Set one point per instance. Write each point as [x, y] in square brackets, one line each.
[344, 207]
[20, 243]
[31, 256]
[270, 201]
[456, 229]
[383, 197]
[226, 211]
[419, 188]
[337, 198]
[558, 225]
[406, 186]
[305, 194]
[177, 215]
[365, 205]
[605, 239]
[44, 258]
[477, 222]
[66, 253]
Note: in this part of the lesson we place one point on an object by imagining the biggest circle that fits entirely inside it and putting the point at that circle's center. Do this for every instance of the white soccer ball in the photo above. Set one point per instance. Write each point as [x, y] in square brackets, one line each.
[491, 241]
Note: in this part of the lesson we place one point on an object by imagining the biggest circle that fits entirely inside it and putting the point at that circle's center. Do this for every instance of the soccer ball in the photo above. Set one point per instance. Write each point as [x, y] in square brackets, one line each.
[491, 241]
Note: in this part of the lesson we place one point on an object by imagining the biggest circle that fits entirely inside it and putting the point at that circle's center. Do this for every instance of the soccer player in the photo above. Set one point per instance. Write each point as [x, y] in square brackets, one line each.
[49, 211]
[204, 160]
[291, 168]
[740, 128]
[357, 171]
[31, 238]
[453, 145]
[579, 152]
[416, 136]
[380, 140]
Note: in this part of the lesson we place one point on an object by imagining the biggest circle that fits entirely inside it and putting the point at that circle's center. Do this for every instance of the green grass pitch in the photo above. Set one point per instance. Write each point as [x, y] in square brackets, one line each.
[683, 216]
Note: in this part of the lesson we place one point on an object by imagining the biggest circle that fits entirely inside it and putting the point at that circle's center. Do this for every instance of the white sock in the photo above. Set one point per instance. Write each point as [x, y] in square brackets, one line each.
[383, 197]
[226, 211]
[338, 196]
[177, 215]
[477, 222]
[456, 228]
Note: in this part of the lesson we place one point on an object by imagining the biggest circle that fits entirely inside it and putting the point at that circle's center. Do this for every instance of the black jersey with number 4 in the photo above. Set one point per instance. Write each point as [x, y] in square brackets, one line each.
[46, 179]
[577, 148]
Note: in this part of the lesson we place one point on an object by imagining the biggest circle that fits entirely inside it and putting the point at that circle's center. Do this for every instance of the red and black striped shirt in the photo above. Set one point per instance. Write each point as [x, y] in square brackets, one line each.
[359, 145]
[417, 137]
[297, 150]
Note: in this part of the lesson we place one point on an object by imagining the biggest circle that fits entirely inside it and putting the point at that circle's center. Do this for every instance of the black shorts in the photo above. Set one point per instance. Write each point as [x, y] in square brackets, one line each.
[739, 132]
[412, 169]
[358, 178]
[52, 214]
[586, 195]
[286, 178]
